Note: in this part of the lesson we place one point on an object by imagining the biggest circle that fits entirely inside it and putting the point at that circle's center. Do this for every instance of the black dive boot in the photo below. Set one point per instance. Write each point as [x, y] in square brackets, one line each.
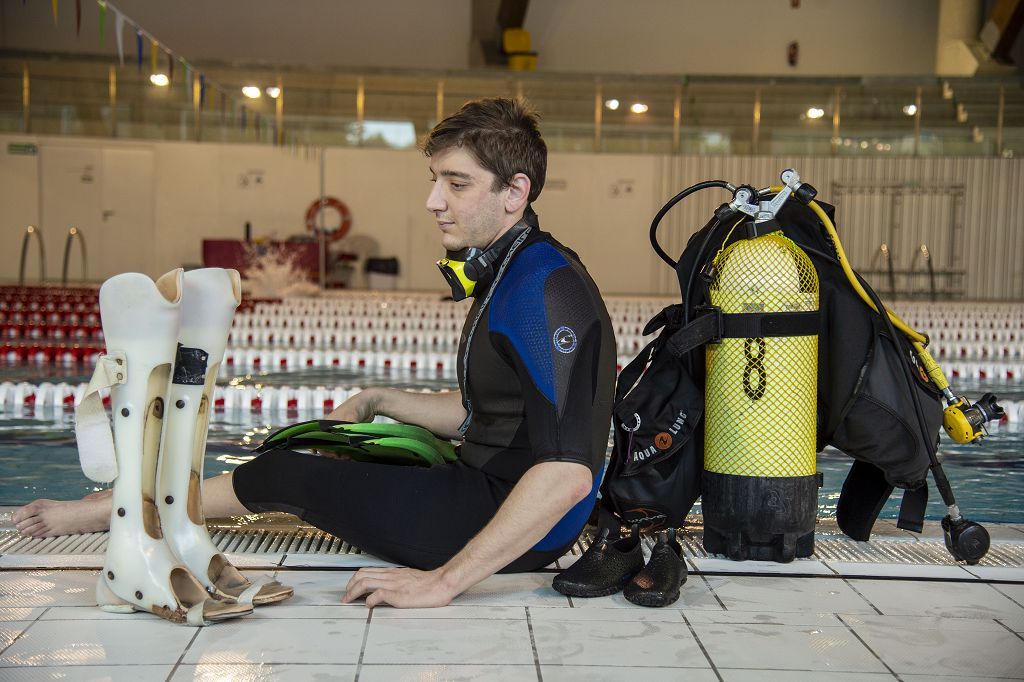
[659, 582]
[604, 568]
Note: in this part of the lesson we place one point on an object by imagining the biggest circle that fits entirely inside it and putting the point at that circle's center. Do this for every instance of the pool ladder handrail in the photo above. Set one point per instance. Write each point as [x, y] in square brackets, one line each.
[886, 255]
[31, 231]
[73, 233]
[923, 251]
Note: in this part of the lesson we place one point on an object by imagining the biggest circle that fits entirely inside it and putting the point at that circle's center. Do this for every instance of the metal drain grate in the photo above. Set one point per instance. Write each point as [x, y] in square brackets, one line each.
[242, 541]
[283, 540]
[879, 551]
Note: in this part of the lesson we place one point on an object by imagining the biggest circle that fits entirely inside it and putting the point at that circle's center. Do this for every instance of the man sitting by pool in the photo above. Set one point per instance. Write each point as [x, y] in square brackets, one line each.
[536, 370]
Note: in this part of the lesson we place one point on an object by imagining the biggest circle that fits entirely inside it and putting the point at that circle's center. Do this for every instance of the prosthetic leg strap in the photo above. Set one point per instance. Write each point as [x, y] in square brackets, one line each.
[912, 509]
[92, 426]
[255, 586]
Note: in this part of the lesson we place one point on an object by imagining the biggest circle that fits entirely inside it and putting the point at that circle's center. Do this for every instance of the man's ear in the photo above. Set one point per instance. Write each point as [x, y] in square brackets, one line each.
[518, 193]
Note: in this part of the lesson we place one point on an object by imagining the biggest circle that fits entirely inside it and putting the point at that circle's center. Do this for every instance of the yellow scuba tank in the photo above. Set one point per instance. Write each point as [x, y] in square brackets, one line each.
[760, 482]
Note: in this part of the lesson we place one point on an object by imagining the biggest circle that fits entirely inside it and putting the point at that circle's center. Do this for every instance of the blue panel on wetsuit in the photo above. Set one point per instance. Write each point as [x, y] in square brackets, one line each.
[570, 525]
[518, 311]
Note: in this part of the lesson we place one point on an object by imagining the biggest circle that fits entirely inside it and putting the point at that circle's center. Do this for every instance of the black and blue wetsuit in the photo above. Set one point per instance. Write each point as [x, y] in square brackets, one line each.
[536, 369]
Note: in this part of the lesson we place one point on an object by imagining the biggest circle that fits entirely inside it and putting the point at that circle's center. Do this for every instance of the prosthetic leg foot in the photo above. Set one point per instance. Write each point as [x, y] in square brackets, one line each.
[140, 573]
[208, 303]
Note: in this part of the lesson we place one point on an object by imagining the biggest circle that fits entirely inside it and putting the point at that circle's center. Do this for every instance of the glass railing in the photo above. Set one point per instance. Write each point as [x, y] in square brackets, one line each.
[43, 94]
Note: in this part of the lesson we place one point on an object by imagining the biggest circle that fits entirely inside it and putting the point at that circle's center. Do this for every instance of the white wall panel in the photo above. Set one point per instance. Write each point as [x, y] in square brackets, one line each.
[198, 194]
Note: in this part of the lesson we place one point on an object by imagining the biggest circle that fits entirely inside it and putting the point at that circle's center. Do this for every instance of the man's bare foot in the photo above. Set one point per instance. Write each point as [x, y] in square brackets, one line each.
[47, 518]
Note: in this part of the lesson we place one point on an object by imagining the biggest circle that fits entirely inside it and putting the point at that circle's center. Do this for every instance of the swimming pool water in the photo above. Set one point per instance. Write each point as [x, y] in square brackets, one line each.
[38, 458]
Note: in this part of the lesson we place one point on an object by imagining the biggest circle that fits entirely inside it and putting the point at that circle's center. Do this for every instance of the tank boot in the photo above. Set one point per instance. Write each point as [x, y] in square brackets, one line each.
[659, 582]
[604, 568]
[140, 572]
[208, 302]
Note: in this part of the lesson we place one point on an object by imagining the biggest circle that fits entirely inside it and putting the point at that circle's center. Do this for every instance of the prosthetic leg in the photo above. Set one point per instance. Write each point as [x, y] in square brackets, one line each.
[140, 572]
[208, 302]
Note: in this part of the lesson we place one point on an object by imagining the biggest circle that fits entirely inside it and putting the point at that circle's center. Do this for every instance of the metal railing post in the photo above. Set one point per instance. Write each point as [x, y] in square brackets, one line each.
[73, 233]
[31, 231]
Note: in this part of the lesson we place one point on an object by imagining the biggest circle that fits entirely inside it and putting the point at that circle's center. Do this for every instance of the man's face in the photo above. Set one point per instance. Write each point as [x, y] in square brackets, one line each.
[467, 210]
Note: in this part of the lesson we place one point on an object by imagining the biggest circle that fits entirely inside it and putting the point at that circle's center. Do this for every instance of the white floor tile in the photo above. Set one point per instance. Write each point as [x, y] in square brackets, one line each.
[669, 614]
[453, 611]
[796, 567]
[946, 647]
[1015, 624]
[313, 588]
[10, 630]
[575, 673]
[764, 618]
[784, 594]
[448, 673]
[694, 595]
[730, 675]
[1014, 592]
[1015, 573]
[917, 623]
[949, 600]
[278, 672]
[520, 589]
[51, 561]
[287, 610]
[88, 673]
[957, 678]
[23, 613]
[425, 641]
[861, 569]
[344, 561]
[777, 647]
[48, 588]
[613, 642]
[92, 612]
[58, 643]
[251, 640]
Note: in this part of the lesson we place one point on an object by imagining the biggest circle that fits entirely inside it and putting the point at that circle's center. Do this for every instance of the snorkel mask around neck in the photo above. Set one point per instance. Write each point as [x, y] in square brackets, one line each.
[468, 268]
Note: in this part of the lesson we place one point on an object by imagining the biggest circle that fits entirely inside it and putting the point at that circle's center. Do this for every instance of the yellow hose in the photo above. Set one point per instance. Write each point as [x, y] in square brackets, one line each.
[917, 339]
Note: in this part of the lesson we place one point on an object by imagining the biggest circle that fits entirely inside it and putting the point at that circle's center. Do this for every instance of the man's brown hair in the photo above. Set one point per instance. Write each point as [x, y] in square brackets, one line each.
[502, 135]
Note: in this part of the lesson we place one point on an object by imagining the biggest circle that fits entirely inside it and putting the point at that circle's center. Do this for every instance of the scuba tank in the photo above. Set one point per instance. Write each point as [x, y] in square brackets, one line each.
[760, 485]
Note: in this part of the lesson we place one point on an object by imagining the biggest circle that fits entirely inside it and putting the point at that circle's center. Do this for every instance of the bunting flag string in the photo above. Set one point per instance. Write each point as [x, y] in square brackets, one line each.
[193, 78]
[119, 30]
[103, 20]
[138, 50]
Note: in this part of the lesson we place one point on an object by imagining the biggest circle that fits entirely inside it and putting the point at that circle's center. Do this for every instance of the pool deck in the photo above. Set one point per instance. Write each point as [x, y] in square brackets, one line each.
[912, 613]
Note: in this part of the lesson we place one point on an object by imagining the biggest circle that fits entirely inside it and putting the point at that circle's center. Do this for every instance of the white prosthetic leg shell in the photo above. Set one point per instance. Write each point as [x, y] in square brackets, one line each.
[208, 302]
[141, 322]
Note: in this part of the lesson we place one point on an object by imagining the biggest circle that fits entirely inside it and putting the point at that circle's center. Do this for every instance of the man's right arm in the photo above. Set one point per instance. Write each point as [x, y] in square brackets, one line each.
[439, 413]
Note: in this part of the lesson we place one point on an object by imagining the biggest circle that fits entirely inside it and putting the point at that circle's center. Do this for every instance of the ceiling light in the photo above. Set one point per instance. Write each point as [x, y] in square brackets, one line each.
[612, 104]
[815, 112]
[910, 109]
[639, 108]
[159, 79]
[273, 92]
[251, 91]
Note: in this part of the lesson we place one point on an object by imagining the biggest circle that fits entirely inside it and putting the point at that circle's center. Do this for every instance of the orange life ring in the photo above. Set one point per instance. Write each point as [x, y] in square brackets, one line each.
[338, 205]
